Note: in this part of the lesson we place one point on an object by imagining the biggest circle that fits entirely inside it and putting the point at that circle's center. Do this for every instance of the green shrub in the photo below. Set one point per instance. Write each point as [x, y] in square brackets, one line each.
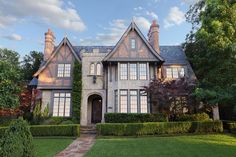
[55, 121]
[193, 117]
[158, 128]
[230, 125]
[6, 121]
[134, 117]
[51, 130]
[67, 122]
[17, 140]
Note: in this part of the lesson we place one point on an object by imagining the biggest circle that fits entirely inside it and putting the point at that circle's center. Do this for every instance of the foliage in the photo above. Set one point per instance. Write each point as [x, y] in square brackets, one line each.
[31, 64]
[211, 49]
[134, 117]
[55, 130]
[51, 130]
[9, 85]
[10, 57]
[158, 128]
[165, 93]
[17, 140]
[193, 117]
[39, 115]
[56, 121]
[230, 125]
[76, 91]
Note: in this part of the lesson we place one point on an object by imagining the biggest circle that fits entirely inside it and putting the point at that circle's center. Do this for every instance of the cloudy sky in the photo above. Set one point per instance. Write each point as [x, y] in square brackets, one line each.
[88, 22]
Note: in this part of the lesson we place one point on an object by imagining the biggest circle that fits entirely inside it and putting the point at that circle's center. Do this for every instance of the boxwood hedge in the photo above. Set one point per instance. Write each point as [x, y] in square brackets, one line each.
[51, 130]
[158, 128]
[134, 117]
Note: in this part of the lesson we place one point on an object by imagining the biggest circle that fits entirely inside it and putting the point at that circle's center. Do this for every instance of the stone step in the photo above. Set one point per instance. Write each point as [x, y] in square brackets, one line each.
[90, 129]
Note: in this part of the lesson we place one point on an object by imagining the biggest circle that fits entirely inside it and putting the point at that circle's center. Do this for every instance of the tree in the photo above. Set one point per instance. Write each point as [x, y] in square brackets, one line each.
[168, 94]
[211, 48]
[31, 64]
[9, 89]
[76, 92]
[10, 57]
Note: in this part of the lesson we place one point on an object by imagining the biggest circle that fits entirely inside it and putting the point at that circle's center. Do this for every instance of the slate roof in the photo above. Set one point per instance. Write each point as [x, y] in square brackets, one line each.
[173, 55]
[33, 82]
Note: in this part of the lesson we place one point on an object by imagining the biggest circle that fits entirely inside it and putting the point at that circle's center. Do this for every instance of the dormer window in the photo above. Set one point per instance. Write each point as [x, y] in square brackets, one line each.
[63, 70]
[175, 72]
[133, 43]
[92, 69]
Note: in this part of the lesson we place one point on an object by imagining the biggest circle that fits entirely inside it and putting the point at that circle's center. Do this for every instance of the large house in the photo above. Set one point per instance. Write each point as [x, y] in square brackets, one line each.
[113, 76]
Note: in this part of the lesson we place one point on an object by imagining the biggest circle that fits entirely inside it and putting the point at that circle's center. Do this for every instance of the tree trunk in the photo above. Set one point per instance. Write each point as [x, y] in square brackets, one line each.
[216, 114]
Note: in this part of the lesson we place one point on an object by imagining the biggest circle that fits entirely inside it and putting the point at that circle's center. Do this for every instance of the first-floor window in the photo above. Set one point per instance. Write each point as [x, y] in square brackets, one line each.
[123, 101]
[61, 104]
[143, 101]
[133, 101]
[116, 101]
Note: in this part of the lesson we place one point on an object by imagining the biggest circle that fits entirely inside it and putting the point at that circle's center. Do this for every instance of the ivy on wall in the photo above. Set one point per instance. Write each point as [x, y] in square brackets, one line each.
[76, 92]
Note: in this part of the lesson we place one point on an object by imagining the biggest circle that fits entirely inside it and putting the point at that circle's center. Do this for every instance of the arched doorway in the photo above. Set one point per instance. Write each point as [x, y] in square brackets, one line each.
[96, 108]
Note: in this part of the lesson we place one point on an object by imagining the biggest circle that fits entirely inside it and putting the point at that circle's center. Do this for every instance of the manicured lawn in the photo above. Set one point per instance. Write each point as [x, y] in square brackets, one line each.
[48, 147]
[178, 146]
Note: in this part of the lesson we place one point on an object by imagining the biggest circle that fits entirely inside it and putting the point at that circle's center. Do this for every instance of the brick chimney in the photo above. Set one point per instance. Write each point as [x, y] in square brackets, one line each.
[49, 44]
[153, 36]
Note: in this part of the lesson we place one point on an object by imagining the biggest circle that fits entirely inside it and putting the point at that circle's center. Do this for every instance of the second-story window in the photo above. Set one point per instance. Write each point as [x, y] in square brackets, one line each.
[175, 72]
[133, 44]
[63, 70]
[142, 71]
[133, 71]
[123, 71]
[92, 69]
[98, 69]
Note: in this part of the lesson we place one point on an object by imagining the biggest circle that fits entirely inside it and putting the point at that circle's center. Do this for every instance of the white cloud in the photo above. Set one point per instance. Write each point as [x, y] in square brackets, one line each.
[175, 17]
[13, 36]
[114, 31]
[54, 12]
[142, 22]
[152, 14]
[138, 8]
[189, 2]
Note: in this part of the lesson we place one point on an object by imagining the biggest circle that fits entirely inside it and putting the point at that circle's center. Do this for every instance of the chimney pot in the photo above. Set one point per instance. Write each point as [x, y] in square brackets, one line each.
[49, 44]
[153, 36]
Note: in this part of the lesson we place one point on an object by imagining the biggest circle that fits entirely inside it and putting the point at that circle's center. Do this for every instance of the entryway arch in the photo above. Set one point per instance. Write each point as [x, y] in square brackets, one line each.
[94, 109]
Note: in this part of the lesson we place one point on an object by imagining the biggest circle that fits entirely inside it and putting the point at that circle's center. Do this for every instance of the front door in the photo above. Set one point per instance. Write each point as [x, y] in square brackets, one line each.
[96, 110]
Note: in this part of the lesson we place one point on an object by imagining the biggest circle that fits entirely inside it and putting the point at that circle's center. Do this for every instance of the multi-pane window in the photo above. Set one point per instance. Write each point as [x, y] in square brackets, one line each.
[123, 101]
[175, 72]
[98, 69]
[63, 70]
[142, 71]
[133, 101]
[123, 71]
[133, 43]
[143, 102]
[92, 69]
[61, 104]
[133, 71]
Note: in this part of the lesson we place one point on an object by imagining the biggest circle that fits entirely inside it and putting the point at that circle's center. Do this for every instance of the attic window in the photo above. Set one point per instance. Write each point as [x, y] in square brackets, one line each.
[133, 43]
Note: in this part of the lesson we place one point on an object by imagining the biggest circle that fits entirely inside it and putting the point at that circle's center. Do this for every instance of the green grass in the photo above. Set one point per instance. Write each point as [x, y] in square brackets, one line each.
[48, 147]
[178, 146]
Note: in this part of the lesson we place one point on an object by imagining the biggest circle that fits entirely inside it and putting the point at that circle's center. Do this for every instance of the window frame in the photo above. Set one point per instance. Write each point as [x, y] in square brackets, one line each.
[142, 93]
[57, 106]
[133, 96]
[133, 43]
[142, 71]
[121, 72]
[90, 69]
[131, 76]
[127, 98]
[63, 71]
[98, 69]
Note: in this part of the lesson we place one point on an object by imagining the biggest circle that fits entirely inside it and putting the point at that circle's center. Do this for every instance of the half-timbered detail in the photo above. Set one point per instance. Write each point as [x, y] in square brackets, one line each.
[113, 76]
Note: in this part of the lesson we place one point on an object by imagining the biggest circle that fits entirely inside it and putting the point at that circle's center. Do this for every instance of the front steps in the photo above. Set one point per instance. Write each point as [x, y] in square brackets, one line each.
[88, 130]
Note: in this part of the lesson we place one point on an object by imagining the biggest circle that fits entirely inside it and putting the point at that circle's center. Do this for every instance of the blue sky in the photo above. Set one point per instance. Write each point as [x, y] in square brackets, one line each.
[88, 22]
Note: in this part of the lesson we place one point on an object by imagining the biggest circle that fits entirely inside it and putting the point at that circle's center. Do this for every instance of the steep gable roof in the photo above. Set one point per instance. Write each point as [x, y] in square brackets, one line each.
[133, 26]
[65, 41]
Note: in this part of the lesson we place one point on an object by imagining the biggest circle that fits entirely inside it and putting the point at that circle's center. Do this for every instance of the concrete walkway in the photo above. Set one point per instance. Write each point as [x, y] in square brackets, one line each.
[79, 147]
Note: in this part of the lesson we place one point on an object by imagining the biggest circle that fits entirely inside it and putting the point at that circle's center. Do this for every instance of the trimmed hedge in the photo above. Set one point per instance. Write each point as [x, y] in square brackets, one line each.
[134, 117]
[158, 128]
[230, 125]
[51, 130]
[193, 117]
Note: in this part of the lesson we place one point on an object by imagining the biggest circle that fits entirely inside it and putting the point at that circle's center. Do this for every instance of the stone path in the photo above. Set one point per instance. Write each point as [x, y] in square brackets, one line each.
[79, 147]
